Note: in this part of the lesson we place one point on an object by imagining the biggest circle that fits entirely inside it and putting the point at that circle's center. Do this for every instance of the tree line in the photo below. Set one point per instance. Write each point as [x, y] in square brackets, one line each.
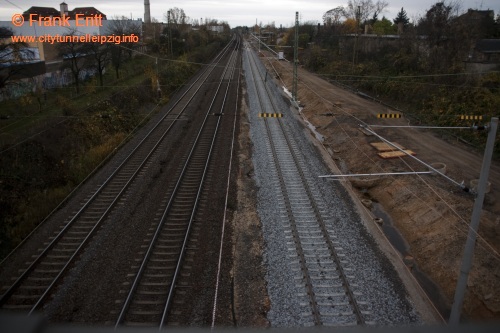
[431, 66]
[177, 36]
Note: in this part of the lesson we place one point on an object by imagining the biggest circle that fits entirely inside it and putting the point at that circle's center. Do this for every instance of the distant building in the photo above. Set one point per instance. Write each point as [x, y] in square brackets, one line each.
[478, 22]
[49, 51]
[216, 28]
[34, 12]
[41, 61]
[485, 51]
[485, 56]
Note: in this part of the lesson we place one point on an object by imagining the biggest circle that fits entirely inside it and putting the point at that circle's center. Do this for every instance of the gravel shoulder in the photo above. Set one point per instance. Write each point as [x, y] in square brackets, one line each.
[251, 302]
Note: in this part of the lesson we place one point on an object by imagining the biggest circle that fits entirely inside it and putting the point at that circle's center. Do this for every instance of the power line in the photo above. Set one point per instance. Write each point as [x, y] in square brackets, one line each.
[408, 76]
[412, 83]
[487, 246]
[13, 4]
[378, 174]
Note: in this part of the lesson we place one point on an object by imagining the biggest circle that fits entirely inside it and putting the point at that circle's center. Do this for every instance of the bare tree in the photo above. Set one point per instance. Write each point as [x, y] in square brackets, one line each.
[448, 39]
[13, 57]
[436, 22]
[362, 10]
[122, 26]
[101, 56]
[333, 16]
[178, 18]
[74, 55]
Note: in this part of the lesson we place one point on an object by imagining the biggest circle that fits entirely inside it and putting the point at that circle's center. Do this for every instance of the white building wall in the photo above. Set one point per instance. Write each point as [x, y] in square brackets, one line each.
[36, 30]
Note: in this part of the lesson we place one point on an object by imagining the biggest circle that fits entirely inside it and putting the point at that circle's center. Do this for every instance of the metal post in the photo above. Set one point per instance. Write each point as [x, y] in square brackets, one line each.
[295, 58]
[358, 26]
[474, 225]
[158, 89]
[169, 35]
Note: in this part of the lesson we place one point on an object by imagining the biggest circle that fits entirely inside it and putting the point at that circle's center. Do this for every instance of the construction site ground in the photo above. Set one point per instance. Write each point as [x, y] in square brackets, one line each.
[430, 212]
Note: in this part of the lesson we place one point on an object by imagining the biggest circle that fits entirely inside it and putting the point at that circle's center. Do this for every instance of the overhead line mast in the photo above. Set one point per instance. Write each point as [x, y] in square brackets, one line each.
[296, 59]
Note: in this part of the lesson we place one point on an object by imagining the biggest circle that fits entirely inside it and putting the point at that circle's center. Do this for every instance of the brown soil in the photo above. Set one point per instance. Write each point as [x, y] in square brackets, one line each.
[251, 302]
[430, 212]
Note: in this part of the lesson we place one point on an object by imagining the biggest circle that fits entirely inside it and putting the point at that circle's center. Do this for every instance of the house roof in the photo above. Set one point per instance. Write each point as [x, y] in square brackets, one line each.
[43, 11]
[49, 11]
[86, 11]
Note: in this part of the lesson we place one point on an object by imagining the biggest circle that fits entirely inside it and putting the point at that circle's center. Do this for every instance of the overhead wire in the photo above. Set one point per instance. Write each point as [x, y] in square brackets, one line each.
[460, 218]
[13, 4]
[410, 76]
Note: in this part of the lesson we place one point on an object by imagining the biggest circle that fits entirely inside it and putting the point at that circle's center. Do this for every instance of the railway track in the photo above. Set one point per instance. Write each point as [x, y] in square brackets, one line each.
[34, 285]
[326, 285]
[150, 296]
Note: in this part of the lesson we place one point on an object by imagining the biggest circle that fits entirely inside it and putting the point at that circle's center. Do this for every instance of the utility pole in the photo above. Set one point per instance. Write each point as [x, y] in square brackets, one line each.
[474, 225]
[358, 22]
[296, 59]
[169, 34]
[158, 89]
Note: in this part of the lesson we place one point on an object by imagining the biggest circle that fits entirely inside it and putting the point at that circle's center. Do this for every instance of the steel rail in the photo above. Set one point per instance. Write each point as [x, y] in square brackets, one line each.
[10, 291]
[226, 199]
[309, 288]
[207, 68]
[352, 300]
[343, 276]
[186, 238]
[157, 233]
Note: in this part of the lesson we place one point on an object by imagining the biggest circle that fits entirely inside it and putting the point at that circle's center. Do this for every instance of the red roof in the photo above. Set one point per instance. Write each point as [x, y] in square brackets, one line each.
[86, 11]
[49, 11]
[43, 11]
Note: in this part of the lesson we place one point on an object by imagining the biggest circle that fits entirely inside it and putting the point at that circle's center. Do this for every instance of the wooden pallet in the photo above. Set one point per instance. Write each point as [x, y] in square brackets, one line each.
[396, 153]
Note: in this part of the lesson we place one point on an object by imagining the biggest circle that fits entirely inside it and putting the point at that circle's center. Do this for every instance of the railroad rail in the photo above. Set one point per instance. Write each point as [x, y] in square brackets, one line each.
[149, 298]
[38, 281]
[325, 284]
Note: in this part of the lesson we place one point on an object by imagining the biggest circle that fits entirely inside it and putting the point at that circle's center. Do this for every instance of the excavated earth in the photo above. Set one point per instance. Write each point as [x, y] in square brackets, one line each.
[425, 217]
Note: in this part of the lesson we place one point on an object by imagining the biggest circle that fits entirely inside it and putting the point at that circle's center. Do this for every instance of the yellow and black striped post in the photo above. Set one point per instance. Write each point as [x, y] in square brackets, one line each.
[389, 115]
[470, 117]
[270, 115]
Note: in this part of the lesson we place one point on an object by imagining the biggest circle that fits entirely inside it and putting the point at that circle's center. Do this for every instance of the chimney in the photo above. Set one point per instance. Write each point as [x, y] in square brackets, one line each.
[64, 8]
[147, 12]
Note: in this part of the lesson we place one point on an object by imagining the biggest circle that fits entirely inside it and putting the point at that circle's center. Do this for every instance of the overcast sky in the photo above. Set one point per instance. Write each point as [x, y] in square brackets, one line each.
[242, 12]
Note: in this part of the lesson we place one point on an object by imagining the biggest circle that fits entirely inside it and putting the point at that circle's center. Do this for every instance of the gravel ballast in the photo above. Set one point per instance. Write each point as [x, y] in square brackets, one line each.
[378, 282]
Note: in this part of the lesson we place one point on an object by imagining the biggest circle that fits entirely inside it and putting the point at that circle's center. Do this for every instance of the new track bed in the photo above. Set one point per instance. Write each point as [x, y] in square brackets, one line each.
[325, 284]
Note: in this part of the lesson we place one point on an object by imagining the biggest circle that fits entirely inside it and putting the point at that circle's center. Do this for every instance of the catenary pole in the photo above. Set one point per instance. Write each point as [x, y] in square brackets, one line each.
[295, 59]
[474, 225]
